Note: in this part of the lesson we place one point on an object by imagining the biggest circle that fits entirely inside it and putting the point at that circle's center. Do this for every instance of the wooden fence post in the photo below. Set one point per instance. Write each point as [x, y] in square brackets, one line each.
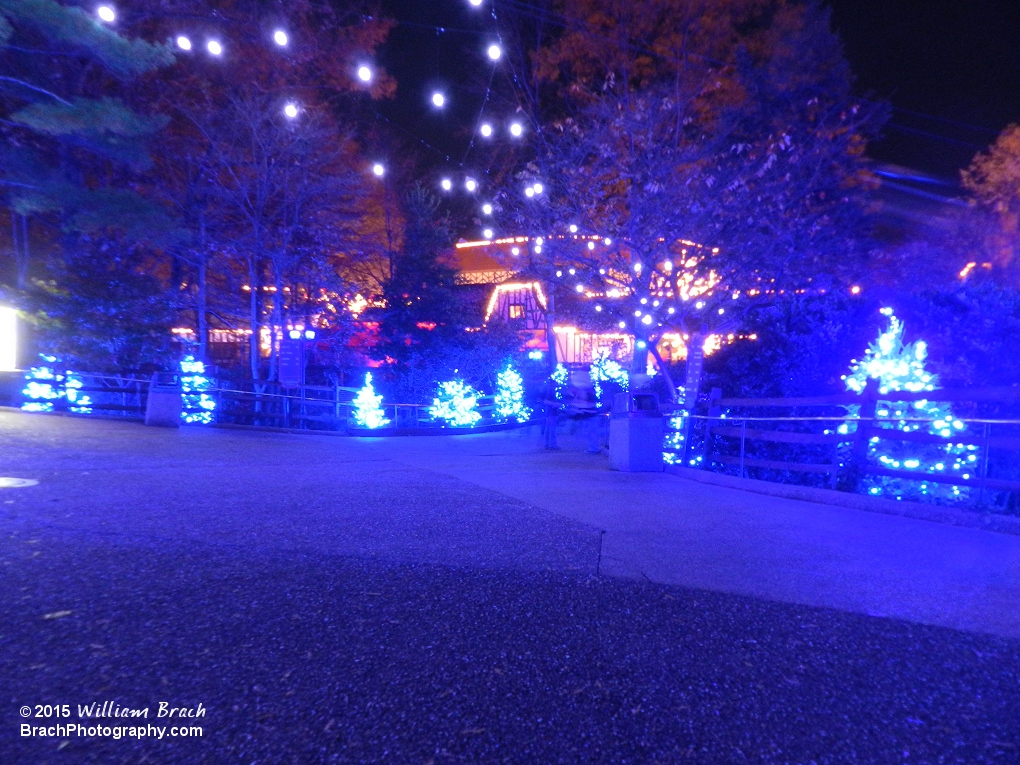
[858, 463]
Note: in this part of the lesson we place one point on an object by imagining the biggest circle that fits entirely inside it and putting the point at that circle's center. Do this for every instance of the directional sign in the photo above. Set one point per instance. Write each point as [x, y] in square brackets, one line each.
[291, 363]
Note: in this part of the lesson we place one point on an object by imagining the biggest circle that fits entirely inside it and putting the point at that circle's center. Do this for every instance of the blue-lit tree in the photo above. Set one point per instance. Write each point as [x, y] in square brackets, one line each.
[510, 397]
[44, 386]
[456, 404]
[899, 366]
[367, 410]
[606, 370]
[197, 405]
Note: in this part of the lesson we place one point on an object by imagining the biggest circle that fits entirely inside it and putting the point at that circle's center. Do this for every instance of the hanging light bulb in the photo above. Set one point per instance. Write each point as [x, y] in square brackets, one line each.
[485, 129]
[487, 209]
[471, 184]
[475, 3]
[573, 228]
[516, 130]
[487, 233]
[438, 99]
[378, 170]
[280, 37]
[364, 73]
[214, 47]
[529, 192]
[106, 13]
[446, 183]
[183, 43]
[495, 52]
[515, 251]
[591, 245]
[291, 111]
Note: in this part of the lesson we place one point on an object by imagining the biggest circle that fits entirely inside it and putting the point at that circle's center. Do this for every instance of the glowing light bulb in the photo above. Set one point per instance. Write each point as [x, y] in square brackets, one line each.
[515, 251]
[573, 228]
[622, 324]
[516, 130]
[487, 233]
[291, 111]
[183, 43]
[487, 209]
[495, 52]
[280, 37]
[438, 99]
[591, 245]
[447, 184]
[608, 241]
[378, 170]
[540, 240]
[580, 288]
[598, 308]
[106, 13]
[470, 184]
[214, 47]
[529, 192]
[486, 130]
[364, 74]
[539, 188]
[476, 3]
[646, 319]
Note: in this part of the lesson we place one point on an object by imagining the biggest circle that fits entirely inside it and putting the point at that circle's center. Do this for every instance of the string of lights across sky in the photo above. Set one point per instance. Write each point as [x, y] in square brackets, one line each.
[486, 127]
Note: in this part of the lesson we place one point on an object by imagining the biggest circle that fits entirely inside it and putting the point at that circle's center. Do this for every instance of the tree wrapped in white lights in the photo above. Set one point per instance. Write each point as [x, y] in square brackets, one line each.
[898, 366]
[456, 404]
[681, 185]
[367, 410]
[509, 398]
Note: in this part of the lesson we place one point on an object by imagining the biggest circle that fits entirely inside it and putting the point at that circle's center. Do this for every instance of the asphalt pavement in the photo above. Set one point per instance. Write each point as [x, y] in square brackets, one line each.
[478, 600]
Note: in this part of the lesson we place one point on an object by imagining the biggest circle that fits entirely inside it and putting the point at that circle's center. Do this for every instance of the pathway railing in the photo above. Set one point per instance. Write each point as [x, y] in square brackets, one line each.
[776, 439]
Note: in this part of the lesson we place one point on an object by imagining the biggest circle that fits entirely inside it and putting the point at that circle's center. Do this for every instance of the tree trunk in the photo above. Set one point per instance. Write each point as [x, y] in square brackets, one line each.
[277, 321]
[203, 329]
[550, 321]
[253, 317]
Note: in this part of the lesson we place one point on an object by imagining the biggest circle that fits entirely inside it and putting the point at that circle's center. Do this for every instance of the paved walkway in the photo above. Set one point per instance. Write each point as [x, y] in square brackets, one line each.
[478, 600]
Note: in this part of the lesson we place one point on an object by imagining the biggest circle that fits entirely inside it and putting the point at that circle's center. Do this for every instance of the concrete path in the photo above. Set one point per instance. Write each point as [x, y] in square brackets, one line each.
[479, 600]
[666, 529]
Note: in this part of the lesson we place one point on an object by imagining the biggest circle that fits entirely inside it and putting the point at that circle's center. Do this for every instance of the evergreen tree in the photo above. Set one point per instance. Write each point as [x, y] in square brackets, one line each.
[899, 366]
[423, 309]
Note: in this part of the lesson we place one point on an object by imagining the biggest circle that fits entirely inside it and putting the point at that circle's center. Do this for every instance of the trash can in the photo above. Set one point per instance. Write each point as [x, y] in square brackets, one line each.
[163, 408]
[636, 429]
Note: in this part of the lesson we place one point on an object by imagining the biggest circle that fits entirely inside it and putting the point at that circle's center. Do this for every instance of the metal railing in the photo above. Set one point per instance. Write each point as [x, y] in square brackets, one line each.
[832, 449]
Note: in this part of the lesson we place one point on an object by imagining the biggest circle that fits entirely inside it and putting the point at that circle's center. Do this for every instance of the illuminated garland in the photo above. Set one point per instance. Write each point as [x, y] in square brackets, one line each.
[197, 405]
[510, 397]
[901, 367]
[456, 404]
[367, 412]
[560, 376]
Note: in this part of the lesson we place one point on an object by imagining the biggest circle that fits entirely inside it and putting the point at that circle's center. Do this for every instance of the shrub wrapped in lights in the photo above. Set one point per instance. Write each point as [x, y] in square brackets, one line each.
[367, 410]
[901, 367]
[456, 404]
[197, 405]
[509, 398]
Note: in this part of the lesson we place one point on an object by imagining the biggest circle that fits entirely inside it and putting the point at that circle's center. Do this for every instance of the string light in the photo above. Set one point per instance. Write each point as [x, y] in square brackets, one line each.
[487, 233]
[291, 111]
[486, 129]
[487, 209]
[106, 13]
[364, 73]
[471, 184]
[539, 188]
[494, 52]
[438, 100]
[280, 37]
[183, 43]
[446, 183]
[573, 228]
[476, 3]
[516, 130]
[378, 170]
[529, 192]
[214, 47]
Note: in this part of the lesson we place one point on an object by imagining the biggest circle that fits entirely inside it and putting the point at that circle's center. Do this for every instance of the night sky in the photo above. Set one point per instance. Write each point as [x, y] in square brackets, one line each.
[950, 68]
